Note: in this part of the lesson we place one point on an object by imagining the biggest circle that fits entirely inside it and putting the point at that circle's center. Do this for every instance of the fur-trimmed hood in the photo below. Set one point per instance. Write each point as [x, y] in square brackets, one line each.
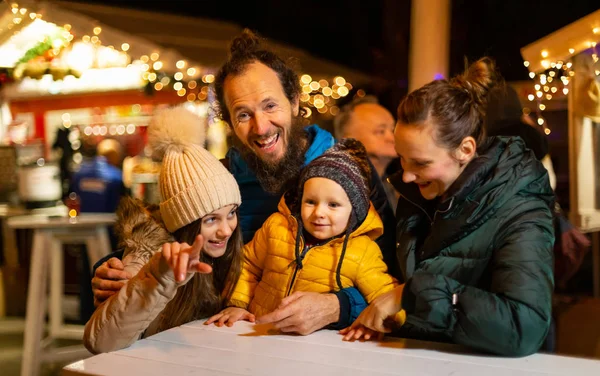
[140, 229]
[134, 311]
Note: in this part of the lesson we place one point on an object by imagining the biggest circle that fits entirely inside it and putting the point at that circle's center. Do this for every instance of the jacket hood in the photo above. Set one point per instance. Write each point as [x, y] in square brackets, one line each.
[140, 228]
[506, 168]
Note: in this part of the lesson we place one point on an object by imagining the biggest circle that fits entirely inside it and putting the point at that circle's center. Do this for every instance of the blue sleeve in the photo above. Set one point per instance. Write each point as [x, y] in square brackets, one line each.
[352, 304]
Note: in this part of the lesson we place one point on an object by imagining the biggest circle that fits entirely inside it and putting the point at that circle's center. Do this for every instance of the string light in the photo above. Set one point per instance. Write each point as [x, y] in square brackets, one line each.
[343, 91]
[544, 86]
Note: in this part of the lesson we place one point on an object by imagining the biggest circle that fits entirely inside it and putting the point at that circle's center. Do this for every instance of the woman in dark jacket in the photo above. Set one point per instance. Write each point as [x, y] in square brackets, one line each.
[474, 227]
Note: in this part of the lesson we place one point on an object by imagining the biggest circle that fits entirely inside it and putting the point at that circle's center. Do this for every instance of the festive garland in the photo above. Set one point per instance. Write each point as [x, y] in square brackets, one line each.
[38, 50]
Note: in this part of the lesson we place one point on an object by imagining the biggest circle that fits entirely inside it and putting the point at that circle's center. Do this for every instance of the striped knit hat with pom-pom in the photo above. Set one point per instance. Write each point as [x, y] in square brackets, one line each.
[345, 163]
[193, 183]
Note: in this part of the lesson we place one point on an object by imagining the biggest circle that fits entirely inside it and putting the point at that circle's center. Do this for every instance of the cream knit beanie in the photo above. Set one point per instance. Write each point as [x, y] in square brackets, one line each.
[193, 183]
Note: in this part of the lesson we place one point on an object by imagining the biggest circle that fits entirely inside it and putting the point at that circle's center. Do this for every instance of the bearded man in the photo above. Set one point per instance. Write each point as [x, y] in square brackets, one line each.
[258, 95]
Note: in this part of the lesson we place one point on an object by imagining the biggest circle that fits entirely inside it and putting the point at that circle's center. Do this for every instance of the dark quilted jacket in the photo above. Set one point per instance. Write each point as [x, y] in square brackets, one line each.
[489, 243]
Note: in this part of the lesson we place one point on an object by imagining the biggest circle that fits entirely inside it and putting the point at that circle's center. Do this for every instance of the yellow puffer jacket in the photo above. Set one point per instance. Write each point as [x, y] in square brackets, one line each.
[270, 272]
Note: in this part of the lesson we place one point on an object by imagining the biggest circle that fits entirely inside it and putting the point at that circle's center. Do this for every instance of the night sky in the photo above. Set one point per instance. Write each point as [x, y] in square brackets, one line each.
[373, 35]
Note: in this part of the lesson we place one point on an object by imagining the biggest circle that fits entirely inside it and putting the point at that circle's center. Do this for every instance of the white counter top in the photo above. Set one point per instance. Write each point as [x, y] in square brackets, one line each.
[248, 349]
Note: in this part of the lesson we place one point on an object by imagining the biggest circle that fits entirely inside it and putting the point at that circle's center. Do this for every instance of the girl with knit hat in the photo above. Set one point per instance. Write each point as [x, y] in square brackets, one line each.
[199, 207]
[321, 239]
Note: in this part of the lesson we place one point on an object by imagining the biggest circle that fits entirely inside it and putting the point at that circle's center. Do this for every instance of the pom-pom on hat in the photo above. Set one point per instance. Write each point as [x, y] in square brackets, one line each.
[193, 183]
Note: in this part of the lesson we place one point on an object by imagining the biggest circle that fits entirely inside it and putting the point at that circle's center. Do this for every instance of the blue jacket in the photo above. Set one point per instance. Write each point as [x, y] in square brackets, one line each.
[99, 186]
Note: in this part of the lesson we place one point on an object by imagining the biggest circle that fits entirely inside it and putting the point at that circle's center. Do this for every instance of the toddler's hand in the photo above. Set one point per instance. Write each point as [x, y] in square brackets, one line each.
[230, 315]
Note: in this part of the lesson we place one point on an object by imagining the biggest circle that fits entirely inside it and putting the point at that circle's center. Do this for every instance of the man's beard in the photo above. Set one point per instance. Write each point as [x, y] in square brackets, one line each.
[279, 176]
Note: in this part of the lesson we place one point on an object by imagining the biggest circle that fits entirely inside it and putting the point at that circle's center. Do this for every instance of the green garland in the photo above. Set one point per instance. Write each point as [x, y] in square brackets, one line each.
[37, 50]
